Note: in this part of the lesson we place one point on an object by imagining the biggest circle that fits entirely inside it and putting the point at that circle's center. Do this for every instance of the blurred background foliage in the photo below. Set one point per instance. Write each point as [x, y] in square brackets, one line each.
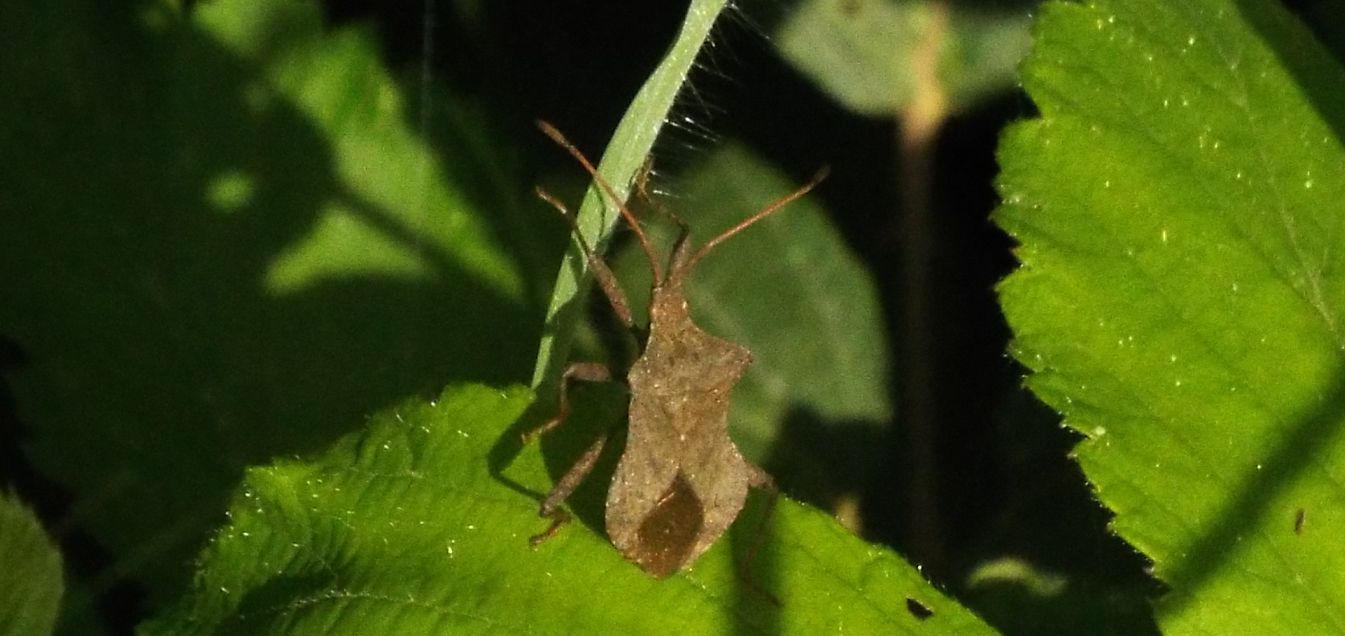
[230, 233]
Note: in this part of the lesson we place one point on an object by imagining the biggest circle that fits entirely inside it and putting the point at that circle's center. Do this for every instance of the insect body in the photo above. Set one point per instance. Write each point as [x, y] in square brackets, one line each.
[680, 481]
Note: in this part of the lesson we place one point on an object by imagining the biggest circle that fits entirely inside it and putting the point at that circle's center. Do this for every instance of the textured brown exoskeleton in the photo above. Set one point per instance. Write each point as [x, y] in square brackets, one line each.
[681, 481]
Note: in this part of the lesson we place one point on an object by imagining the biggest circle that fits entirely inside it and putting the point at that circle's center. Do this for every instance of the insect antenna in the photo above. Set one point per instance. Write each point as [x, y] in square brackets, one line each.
[556, 136]
[765, 212]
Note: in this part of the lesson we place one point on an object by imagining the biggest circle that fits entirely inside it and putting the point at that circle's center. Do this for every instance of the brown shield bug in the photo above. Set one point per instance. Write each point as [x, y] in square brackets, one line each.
[680, 481]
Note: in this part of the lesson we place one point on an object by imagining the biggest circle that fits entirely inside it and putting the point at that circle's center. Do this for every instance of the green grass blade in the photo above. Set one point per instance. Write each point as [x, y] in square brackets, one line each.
[630, 144]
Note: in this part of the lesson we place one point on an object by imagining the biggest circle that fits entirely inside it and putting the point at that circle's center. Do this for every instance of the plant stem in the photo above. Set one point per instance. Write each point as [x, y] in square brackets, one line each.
[919, 125]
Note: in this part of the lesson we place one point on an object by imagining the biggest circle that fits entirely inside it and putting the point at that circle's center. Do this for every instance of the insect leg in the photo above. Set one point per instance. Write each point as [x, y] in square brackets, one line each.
[607, 281]
[551, 505]
[582, 371]
[603, 274]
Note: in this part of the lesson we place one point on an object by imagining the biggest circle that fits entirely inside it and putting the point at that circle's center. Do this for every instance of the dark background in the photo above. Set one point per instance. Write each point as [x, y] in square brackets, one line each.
[1005, 485]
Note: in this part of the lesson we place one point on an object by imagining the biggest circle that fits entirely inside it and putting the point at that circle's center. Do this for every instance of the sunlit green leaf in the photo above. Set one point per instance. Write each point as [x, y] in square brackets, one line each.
[1181, 289]
[403, 529]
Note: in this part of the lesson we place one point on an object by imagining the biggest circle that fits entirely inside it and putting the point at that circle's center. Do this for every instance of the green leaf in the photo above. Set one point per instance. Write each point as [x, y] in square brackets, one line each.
[30, 590]
[864, 53]
[622, 159]
[224, 241]
[789, 289]
[1180, 294]
[402, 529]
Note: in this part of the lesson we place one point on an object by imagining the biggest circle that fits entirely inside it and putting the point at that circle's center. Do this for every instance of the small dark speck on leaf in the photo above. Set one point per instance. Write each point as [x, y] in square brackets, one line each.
[1300, 518]
[917, 609]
